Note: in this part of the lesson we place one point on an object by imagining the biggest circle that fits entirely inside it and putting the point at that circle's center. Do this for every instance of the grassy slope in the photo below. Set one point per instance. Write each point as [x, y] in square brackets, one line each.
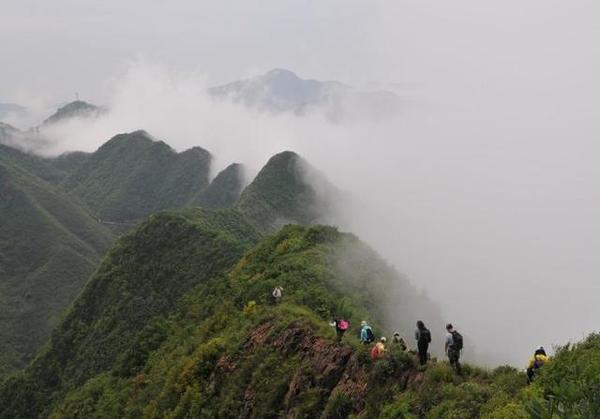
[279, 194]
[132, 176]
[224, 191]
[142, 277]
[48, 247]
[43, 262]
[220, 315]
[166, 329]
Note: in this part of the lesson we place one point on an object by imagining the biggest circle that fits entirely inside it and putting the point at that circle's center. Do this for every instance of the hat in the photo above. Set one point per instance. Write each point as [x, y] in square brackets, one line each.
[383, 339]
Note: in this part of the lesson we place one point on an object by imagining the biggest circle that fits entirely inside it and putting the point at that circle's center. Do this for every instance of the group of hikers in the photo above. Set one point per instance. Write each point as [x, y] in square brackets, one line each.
[453, 342]
[452, 347]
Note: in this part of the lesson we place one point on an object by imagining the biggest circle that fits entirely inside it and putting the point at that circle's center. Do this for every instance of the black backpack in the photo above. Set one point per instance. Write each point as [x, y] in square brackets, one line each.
[457, 341]
[370, 335]
[424, 336]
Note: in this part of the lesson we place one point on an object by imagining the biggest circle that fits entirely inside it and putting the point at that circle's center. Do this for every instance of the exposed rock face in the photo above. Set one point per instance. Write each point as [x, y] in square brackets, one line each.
[333, 367]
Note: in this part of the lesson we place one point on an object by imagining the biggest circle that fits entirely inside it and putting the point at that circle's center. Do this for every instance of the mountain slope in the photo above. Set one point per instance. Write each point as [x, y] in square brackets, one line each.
[48, 247]
[47, 209]
[286, 190]
[120, 326]
[132, 176]
[215, 345]
[282, 90]
[76, 109]
[279, 90]
[225, 189]
[142, 277]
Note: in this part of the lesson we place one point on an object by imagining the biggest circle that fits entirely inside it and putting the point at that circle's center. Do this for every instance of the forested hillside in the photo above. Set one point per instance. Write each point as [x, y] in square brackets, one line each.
[49, 245]
[61, 214]
[182, 277]
[132, 176]
[286, 190]
[179, 322]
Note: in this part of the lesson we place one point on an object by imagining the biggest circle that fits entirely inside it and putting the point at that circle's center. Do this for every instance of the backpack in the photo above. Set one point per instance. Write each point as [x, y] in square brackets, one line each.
[370, 335]
[343, 324]
[424, 336]
[375, 353]
[537, 363]
[457, 341]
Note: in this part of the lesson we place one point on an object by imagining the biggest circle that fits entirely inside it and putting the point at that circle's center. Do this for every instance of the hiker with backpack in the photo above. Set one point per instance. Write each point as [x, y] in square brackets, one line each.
[277, 294]
[537, 361]
[341, 325]
[379, 349]
[399, 342]
[453, 346]
[423, 337]
[366, 333]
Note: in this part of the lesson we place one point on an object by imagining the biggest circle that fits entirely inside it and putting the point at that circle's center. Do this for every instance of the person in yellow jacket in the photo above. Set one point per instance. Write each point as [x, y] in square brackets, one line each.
[378, 350]
[537, 361]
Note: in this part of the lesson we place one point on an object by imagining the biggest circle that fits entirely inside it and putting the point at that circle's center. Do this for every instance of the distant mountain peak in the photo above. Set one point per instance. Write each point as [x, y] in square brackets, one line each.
[281, 72]
[75, 109]
[281, 90]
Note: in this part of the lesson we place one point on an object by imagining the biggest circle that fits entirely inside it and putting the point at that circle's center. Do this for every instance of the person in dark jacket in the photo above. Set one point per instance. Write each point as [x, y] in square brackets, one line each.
[423, 337]
[453, 346]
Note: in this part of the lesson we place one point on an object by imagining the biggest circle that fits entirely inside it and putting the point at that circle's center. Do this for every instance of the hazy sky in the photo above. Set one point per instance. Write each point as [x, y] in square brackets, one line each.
[485, 191]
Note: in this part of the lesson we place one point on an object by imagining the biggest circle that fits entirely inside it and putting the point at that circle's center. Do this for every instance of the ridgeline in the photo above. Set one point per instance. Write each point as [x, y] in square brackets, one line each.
[177, 320]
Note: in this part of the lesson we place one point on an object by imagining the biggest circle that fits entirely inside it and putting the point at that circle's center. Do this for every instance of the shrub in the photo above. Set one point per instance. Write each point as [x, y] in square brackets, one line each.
[510, 410]
[339, 406]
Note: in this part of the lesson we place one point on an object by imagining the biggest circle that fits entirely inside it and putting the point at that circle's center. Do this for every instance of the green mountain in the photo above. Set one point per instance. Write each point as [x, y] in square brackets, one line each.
[128, 178]
[132, 176]
[75, 109]
[70, 162]
[178, 322]
[184, 275]
[286, 190]
[48, 247]
[225, 189]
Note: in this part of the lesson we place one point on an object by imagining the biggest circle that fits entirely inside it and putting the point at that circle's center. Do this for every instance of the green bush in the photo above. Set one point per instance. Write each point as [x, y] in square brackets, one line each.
[339, 406]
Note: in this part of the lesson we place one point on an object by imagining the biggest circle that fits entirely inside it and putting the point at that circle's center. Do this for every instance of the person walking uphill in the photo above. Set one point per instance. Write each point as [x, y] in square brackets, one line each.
[423, 337]
[366, 333]
[341, 326]
[398, 341]
[379, 349]
[453, 346]
[537, 361]
[277, 294]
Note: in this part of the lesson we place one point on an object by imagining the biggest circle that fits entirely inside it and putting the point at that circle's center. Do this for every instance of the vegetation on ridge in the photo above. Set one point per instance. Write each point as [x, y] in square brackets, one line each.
[177, 323]
[48, 247]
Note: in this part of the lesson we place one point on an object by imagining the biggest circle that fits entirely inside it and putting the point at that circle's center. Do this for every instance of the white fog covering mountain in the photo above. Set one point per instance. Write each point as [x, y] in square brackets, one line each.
[483, 189]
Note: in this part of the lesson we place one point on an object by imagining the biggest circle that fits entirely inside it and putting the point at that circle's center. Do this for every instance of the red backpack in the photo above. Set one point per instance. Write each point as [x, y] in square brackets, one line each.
[375, 354]
[343, 324]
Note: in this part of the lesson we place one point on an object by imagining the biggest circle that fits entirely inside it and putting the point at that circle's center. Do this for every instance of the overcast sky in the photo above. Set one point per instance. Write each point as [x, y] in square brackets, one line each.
[486, 191]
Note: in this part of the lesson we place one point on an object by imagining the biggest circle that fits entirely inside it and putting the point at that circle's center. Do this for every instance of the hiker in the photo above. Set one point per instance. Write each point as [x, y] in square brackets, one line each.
[423, 337]
[399, 341]
[277, 294]
[366, 333]
[379, 349]
[538, 360]
[453, 346]
[341, 326]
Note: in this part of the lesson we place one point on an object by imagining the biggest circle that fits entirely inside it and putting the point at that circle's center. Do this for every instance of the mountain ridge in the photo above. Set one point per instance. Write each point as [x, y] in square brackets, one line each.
[280, 91]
